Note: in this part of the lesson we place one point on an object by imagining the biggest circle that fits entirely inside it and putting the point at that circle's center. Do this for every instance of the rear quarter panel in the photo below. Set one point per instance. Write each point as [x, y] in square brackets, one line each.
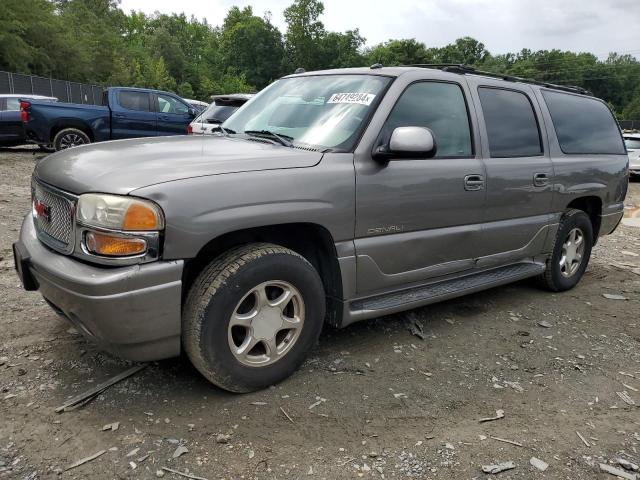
[580, 175]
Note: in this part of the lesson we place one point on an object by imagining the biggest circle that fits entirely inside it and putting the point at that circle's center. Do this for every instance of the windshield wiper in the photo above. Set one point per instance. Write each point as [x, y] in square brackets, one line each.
[284, 140]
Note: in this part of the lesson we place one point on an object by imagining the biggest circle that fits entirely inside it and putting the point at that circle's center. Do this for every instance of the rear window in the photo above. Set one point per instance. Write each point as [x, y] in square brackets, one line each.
[217, 113]
[583, 125]
[132, 100]
[632, 143]
[511, 123]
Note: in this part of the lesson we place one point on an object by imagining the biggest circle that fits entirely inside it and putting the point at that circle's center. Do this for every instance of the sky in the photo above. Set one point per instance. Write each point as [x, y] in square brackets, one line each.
[596, 26]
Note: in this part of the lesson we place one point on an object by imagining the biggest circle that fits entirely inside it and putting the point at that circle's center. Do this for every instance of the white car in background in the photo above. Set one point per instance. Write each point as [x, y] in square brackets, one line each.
[632, 141]
[220, 109]
[197, 104]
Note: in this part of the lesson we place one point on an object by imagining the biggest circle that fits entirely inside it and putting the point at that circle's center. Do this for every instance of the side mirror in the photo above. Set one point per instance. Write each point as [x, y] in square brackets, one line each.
[193, 112]
[409, 142]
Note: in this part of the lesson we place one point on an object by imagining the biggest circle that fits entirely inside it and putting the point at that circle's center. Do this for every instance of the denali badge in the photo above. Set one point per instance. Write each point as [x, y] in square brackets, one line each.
[386, 229]
[42, 211]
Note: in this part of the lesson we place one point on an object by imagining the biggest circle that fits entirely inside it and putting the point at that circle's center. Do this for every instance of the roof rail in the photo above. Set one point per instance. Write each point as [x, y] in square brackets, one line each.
[467, 69]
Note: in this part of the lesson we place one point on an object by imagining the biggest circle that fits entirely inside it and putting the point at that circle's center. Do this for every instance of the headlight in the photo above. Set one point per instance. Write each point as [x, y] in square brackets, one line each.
[119, 213]
[118, 230]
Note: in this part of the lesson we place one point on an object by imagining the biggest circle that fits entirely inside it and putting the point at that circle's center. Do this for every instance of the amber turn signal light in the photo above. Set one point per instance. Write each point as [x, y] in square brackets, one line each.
[114, 246]
[140, 217]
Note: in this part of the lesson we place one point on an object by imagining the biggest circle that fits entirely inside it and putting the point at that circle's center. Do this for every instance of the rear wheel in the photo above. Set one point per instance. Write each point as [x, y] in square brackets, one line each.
[252, 316]
[70, 137]
[571, 252]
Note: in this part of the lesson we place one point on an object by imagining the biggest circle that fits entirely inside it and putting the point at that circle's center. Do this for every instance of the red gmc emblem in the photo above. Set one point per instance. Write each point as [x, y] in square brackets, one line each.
[42, 210]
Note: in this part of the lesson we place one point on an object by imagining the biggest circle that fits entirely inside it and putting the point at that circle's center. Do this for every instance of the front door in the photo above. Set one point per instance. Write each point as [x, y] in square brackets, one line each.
[173, 115]
[418, 219]
[519, 172]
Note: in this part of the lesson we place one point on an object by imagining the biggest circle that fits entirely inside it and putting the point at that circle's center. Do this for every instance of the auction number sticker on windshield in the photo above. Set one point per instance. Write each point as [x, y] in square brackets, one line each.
[357, 98]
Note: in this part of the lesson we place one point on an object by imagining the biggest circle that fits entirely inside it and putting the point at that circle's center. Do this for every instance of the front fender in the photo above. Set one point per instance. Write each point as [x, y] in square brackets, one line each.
[200, 209]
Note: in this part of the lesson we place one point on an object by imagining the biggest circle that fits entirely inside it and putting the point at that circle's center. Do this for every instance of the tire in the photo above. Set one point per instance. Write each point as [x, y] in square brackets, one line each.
[70, 137]
[560, 276]
[231, 286]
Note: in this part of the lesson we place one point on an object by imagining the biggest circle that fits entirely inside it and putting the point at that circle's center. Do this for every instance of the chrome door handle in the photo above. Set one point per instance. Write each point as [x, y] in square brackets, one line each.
[540, 180]
[473, 183]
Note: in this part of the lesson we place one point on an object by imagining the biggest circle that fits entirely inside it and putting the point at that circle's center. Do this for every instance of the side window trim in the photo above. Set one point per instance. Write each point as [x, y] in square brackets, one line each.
[467, 109]
[535, 116]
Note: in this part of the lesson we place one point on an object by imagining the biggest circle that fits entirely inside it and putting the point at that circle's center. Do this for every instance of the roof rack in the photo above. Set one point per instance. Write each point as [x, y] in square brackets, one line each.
[466, 69]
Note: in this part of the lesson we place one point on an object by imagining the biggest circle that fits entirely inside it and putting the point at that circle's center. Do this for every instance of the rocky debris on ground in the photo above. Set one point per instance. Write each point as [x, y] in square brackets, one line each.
[539, 464]
[499, 467]
[618, 472]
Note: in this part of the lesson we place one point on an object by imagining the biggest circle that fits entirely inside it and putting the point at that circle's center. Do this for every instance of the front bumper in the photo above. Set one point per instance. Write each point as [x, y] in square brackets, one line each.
[133, 311]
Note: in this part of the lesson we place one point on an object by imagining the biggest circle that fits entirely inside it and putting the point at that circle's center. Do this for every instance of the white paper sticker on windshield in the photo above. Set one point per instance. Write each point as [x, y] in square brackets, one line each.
[358, 98]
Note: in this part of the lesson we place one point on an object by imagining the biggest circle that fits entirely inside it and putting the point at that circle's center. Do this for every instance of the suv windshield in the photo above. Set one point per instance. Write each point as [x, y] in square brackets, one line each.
[324, 111]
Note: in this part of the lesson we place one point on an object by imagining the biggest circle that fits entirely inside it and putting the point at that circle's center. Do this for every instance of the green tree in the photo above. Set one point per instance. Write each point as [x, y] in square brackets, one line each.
[632, 110]
[185, 90]
[341, 50]
[251, 45]
[399, 52]
[304, 34]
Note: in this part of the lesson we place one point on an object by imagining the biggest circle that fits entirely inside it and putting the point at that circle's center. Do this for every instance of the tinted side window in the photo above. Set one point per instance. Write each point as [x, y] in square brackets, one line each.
[440, 107]
[167, 104]
[583, 125]
[511, 123]
[131, 100]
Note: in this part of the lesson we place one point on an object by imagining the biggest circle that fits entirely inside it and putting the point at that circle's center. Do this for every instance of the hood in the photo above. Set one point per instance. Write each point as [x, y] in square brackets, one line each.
[123, 166]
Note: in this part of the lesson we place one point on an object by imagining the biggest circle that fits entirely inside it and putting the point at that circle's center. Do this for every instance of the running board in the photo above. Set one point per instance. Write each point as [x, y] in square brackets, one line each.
[435, 292]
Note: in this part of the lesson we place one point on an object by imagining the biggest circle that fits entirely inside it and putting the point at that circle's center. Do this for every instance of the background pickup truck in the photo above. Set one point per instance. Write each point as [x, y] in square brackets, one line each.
[125, 113]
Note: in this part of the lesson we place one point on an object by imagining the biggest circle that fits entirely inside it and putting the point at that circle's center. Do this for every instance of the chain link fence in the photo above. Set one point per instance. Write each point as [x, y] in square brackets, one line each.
[629, 124]
[64, 91]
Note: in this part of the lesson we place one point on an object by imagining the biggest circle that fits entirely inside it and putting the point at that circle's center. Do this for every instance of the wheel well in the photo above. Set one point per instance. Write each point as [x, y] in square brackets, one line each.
[592, 206]
[61, 126]
[312, 241]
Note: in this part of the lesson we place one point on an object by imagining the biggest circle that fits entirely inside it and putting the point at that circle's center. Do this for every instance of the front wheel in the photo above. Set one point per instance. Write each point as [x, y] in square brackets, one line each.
[252, 316]
[70, 137]
[571, 252]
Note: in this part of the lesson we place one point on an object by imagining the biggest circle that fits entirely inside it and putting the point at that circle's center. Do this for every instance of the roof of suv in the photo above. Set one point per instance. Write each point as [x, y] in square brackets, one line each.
[448, 69]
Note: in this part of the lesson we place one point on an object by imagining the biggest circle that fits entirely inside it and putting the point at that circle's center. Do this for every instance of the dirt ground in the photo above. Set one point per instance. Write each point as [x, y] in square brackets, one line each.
[373, 400]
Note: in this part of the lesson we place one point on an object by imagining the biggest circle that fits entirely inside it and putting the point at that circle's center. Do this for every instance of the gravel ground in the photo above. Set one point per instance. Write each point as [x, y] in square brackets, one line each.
[373, 400]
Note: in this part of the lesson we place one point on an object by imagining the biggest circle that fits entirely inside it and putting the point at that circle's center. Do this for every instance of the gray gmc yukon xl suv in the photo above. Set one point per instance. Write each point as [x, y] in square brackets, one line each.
[331, 196]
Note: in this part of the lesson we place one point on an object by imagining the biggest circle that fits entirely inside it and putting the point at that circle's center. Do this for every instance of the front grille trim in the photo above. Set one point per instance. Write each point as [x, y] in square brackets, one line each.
[60, 233]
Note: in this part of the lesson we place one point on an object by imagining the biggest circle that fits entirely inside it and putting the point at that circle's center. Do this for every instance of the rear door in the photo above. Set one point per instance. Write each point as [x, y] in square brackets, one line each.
[132, 114]
[519, 171]
[174, 115]
[11, 128]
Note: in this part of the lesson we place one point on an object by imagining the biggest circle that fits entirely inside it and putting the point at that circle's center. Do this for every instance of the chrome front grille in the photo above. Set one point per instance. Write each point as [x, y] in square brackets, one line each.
[53, 216]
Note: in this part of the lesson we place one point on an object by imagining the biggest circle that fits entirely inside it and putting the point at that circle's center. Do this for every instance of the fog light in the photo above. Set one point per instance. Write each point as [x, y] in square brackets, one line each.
[114, 246]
